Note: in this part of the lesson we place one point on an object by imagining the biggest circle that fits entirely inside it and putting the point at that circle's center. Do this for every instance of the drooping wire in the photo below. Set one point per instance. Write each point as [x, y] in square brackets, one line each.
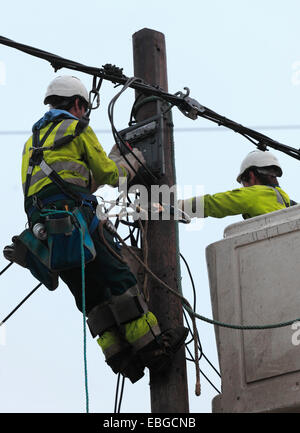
[119, 139]
[6, 267]
[203, 374]
[133, 109]
[191, 278]
[192, 359]
[194, 295]
[21, 303]
[198, 337]
[117, 392]
[138, 104]
[117, 407]
[202, 354]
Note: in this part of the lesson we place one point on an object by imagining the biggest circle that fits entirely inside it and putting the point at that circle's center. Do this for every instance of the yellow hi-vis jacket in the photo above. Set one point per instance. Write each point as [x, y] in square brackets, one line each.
[73, 161]
[249, 201]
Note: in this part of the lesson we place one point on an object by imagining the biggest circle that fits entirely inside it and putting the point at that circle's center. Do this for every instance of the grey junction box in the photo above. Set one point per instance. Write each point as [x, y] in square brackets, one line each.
[254, 276]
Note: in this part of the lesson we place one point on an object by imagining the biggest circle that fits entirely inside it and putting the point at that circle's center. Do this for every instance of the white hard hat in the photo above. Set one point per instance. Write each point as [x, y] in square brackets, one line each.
[259, 158]
[67, 86]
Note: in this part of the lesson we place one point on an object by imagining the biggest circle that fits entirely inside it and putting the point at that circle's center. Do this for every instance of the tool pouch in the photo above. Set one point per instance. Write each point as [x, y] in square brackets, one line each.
[61, 250]
[65, 234]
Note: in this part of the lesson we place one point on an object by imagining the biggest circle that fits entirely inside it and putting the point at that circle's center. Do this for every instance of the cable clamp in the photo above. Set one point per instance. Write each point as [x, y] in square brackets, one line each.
[191, 107]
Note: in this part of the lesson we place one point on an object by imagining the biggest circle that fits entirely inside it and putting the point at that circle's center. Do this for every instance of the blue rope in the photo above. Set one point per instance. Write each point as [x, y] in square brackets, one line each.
[51, 212]
[84, 322]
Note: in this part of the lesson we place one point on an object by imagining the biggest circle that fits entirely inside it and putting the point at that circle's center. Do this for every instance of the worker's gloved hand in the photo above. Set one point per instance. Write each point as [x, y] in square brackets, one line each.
[133, 163]
[185, 205]
[115, 154]
[193, 207]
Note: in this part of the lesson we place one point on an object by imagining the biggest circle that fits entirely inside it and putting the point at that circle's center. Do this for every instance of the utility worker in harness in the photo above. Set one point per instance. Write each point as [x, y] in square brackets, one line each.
[62, 163]
[259, 195]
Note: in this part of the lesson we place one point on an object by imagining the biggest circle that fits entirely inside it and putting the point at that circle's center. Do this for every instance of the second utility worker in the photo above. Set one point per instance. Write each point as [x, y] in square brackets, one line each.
[260, 194]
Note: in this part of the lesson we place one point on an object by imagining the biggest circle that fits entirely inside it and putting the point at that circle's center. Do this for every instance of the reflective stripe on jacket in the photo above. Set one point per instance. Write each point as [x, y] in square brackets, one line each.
[249, 201]
[73, 161]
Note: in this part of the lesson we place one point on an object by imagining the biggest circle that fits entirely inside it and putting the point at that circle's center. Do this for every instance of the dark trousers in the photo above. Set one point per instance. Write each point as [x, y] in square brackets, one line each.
[105, 275]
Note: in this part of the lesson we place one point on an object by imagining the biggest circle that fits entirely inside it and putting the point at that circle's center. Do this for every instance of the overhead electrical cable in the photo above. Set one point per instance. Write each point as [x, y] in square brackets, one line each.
[187, 105]
[21, 303]
[6, 267]
[178, 129]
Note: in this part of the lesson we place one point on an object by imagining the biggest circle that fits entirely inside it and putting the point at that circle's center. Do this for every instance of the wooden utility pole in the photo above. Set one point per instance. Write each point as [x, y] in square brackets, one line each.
[169, 392]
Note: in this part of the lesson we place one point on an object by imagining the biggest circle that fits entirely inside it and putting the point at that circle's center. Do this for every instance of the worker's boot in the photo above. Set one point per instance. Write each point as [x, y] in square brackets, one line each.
[158, 354]
[16, 252]
[123, 347]
[128, 364]
[120, 356]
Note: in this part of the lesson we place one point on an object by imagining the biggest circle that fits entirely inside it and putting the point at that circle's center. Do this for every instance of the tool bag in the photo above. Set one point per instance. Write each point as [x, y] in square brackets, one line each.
[68, 244]
[69, 240]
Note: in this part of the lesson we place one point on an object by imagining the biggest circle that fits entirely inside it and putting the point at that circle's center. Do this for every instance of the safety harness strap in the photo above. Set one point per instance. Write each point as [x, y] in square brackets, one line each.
[87, 199]
[280, 198]
[80, 127]
[37, 157]
[62, 185]
[36, 154]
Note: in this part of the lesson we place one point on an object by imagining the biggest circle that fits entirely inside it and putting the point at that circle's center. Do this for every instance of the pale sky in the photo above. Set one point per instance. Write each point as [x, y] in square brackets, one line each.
[239, 58]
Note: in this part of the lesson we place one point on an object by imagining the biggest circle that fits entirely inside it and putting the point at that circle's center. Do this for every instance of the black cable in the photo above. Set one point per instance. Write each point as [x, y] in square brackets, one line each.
[262, 140]
[127, 237]
[121, 394]
[146, 100]
[21, 303]
[129, 225]
[198, 337]
[203, 374]
[192, 129]
[6, 267]
[190, 107]
[133, 113]
[117, 407]
[178, 130]
[192, 339]
[117, 392]
[107, 72]
[202, 354]
[133, 241]
[119, 139]
[191, 278]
